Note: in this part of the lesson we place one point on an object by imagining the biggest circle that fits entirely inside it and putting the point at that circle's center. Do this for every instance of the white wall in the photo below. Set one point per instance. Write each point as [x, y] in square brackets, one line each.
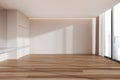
[3, 32]
[3, 27]
[18, 33]
[93, 35]
[61, 36]
[11, 28]
[14, 34]
[22, 35]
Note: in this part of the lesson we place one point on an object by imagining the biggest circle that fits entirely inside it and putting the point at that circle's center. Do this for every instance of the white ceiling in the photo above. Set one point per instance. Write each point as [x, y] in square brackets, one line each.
[59, 8]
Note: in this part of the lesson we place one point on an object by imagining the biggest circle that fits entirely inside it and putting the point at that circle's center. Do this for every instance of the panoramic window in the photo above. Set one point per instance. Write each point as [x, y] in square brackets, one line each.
[108, 33]
[116, 32]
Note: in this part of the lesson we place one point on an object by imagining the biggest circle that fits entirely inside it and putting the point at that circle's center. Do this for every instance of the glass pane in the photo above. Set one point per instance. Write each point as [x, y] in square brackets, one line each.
[108, 33]
[116, 32]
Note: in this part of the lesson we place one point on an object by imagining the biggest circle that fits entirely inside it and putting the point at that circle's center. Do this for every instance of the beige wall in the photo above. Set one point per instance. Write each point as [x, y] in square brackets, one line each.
[61, 36]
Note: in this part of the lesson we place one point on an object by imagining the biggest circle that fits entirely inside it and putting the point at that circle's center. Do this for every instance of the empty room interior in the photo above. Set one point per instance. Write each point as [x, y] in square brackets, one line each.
[59, 39]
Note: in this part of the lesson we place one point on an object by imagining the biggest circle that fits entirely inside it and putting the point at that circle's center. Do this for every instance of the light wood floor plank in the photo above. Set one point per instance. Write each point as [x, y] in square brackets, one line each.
[60, 67]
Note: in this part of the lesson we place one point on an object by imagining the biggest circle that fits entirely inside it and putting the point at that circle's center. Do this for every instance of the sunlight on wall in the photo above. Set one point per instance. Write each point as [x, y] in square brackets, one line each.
[69, 39]
[61, 37]
[56, 41]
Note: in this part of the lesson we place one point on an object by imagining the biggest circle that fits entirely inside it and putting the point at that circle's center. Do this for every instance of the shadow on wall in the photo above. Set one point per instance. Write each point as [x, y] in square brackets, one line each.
[69, 37]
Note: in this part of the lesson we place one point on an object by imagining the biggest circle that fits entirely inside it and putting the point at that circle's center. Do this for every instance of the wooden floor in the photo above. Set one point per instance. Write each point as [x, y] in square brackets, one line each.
[60, 67]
